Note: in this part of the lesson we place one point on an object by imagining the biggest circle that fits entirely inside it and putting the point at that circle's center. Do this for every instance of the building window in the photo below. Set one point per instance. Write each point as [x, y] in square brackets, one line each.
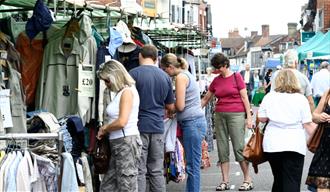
[321, 18]
[173, 13]
[178, 15]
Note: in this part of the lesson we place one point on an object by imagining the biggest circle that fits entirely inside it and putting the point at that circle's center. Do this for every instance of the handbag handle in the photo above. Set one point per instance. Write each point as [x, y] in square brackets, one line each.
[258, 122]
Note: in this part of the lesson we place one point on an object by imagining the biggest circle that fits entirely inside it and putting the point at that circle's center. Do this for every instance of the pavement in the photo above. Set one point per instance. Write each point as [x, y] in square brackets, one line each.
[210, 177]
[262, 181]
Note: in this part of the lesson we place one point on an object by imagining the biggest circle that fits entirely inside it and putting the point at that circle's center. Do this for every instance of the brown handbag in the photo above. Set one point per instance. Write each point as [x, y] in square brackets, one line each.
[314, 142]
[101, 155]
[315, 139]
[253, 151]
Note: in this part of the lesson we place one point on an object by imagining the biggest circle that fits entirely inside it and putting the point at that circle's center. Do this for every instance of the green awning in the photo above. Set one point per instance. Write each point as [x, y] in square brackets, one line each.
[314, 40]
[170, 38]
[317, 47]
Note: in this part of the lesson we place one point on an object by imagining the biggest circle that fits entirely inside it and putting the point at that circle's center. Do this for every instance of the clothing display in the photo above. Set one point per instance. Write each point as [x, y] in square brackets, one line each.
[130, 59]
[31, 53]
[55, 65]
[11, 79]
[27, 171]
[58, 83]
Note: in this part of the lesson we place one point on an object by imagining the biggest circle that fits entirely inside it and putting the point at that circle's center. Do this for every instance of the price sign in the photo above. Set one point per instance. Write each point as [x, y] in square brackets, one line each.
[5, 108]
[86, 80]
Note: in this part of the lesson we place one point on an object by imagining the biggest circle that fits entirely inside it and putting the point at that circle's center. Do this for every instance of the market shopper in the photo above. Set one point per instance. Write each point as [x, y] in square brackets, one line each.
[256, 78]
[190, 116]
[267, 80]
[231, 107]
[290, 62]
[284, 143]
[319, 170]
[248, 78]
[320, 82]
[156, 93]
[122, 115]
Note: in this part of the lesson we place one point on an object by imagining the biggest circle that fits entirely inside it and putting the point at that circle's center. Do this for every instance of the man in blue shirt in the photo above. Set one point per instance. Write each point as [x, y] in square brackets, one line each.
[156, 93]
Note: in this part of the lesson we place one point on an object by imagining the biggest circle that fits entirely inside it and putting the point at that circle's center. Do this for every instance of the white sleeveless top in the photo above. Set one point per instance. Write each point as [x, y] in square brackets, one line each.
[112, 111]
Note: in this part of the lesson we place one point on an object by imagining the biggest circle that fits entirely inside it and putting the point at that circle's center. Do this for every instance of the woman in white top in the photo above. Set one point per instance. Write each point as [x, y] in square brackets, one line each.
[124, 136]
[284, 144]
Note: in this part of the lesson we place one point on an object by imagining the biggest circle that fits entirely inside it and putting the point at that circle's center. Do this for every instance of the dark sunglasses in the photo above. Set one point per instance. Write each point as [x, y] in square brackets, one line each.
[106, 80]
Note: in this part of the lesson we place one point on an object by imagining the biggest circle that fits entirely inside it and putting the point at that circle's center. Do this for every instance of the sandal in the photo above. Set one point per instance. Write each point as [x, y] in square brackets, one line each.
[222, 187]
[246, 186]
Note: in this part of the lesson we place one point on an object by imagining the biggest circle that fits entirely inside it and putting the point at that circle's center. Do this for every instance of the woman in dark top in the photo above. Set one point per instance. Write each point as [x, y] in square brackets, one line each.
[319, 170]
[267, 83]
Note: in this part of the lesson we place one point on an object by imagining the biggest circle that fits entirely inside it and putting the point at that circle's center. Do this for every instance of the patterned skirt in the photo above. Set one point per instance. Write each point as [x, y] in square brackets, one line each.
[319, 170]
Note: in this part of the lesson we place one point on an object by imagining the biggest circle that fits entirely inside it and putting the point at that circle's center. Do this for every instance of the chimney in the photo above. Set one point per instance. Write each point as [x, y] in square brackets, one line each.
[265, 31]
[234, 34]
[254, 33]
[292, 30]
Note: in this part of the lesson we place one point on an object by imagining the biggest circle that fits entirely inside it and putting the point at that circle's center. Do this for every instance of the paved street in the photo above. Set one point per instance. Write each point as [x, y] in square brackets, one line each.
[262, 181]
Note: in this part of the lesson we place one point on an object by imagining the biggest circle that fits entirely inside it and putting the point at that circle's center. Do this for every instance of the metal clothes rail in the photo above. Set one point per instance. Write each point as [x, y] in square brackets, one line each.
[39, 136]
[36, 136]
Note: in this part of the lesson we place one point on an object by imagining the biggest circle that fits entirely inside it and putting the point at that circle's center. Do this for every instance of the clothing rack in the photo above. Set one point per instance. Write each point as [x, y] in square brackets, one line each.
[37, 136]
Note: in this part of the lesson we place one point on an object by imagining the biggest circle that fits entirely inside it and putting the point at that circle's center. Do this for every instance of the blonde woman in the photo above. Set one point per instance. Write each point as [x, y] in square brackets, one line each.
[190, 116]
[124, 136]
[284, 143]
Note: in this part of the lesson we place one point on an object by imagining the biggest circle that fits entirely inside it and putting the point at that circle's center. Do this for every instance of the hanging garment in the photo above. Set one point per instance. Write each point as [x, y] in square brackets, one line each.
[69, 178]
[31, 59]
[13, 57]
[130, 60]
[58, 83]
[47, 171]
[102, 54]
[209, 110]
[11, 173]
[24, 174]
[87, 173]
[17, 99]
[170, 126]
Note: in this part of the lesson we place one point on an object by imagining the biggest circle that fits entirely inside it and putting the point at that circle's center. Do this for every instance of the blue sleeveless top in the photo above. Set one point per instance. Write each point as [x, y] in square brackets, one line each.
[192, 107]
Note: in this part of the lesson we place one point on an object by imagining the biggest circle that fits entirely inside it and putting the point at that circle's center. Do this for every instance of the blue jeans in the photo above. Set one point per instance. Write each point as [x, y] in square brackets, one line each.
[193, 134]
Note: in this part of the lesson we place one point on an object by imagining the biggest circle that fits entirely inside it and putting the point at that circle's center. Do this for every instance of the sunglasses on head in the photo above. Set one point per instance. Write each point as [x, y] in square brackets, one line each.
[106, 80]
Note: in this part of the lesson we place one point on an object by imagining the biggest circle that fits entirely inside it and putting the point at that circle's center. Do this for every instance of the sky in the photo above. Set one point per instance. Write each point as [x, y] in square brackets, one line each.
[249, 15]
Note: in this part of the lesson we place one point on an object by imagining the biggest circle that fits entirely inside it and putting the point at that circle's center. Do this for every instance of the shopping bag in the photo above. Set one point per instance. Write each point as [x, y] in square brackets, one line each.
[205, 155]
[253, 151]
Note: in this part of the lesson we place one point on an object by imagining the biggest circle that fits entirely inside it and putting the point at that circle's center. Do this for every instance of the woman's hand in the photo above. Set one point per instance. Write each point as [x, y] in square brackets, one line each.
[324, 117]
[249, 123]
[101, 132]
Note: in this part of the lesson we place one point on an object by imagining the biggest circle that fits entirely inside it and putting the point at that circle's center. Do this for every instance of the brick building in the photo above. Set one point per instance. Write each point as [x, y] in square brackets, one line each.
[316, 16]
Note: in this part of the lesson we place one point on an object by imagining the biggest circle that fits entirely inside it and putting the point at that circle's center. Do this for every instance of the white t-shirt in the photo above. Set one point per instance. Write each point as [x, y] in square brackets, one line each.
[320, 82]
[113, 113]
[286, 113]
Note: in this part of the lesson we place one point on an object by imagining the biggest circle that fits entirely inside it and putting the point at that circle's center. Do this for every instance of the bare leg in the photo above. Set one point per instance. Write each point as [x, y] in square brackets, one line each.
[225, 171]
[245, 168]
